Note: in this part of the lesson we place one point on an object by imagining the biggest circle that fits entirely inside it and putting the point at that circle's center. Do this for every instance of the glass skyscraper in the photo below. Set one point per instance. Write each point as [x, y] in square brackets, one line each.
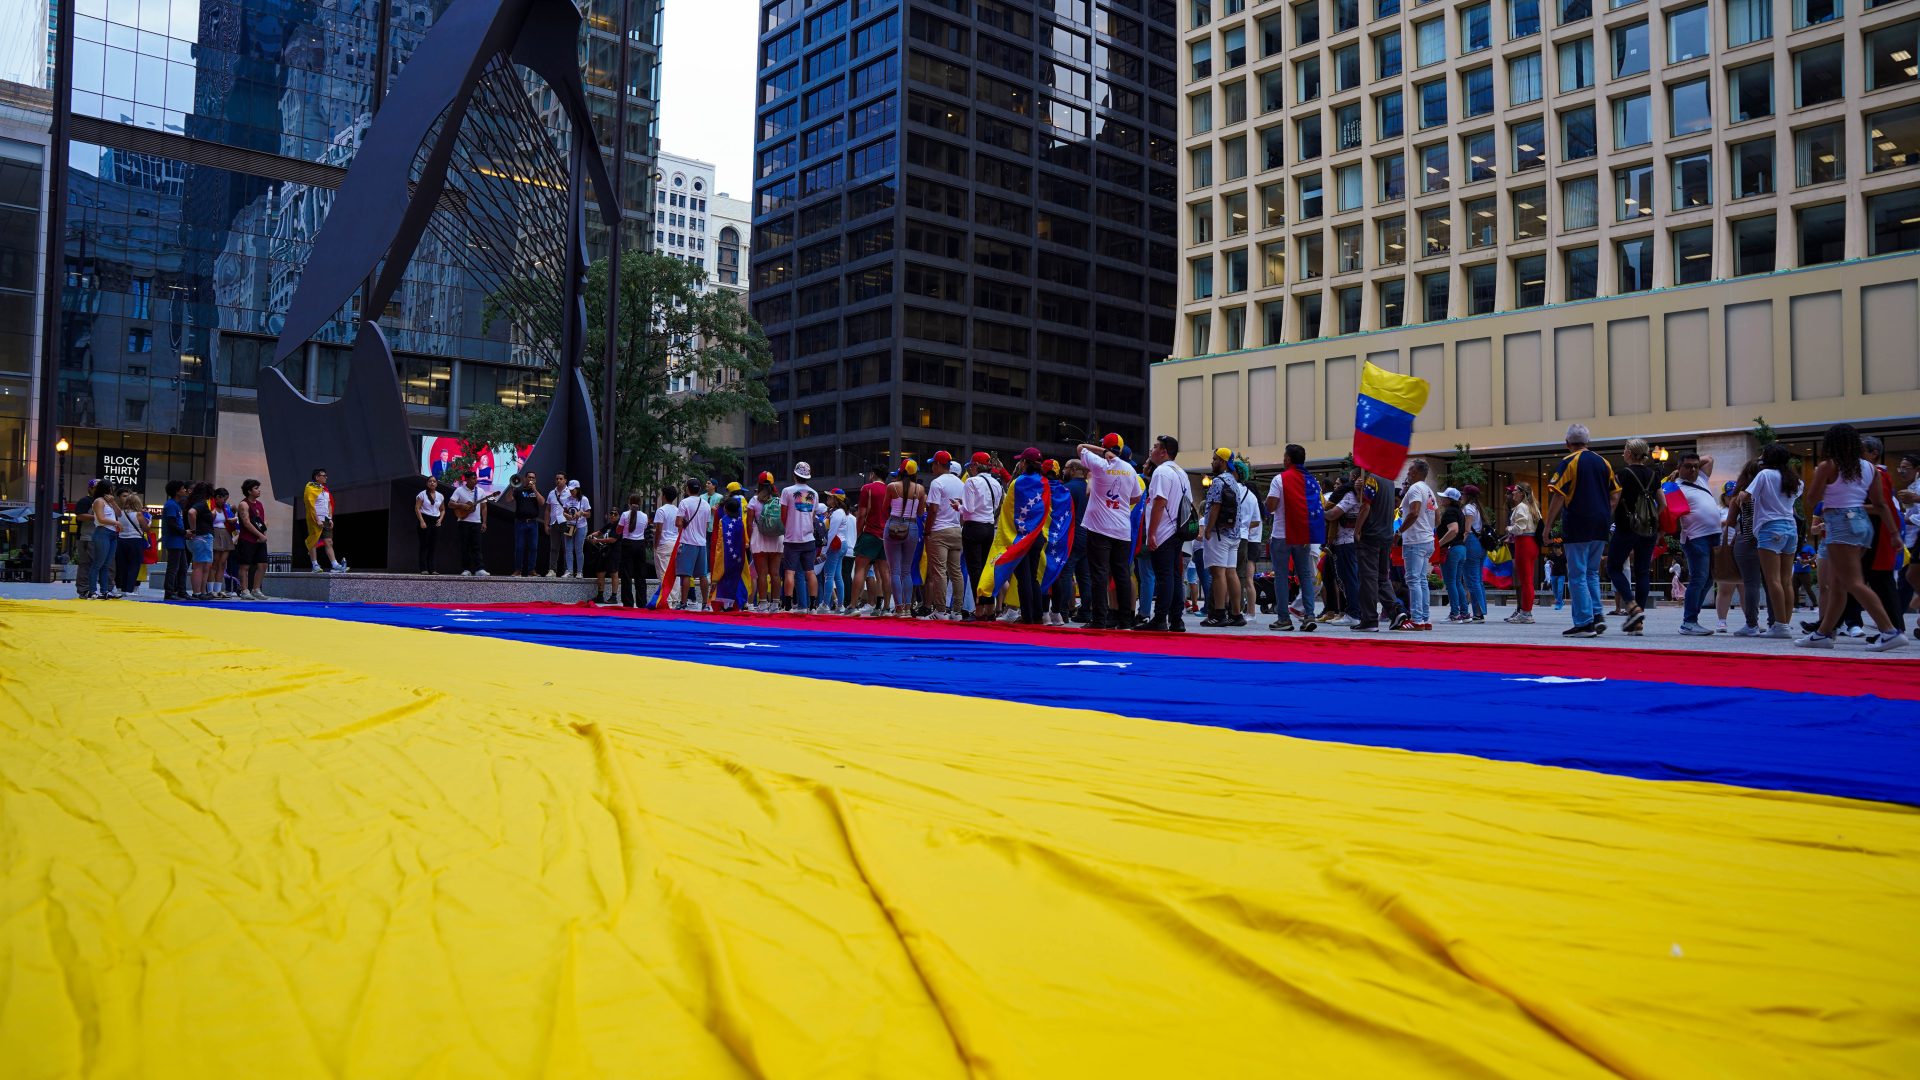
[963, 224]
[207, 138]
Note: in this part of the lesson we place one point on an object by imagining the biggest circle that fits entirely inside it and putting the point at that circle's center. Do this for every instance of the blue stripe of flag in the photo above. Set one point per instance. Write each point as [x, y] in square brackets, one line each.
[1383, 421]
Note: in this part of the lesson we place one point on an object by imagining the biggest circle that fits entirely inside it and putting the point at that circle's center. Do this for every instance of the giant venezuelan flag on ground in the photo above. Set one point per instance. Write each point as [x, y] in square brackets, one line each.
[1383, 418]
[345, 861]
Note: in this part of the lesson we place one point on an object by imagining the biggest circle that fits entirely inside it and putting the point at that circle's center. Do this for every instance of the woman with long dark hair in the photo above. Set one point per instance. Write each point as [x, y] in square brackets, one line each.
[1846, 488]
[130, 547]
[1769, 496]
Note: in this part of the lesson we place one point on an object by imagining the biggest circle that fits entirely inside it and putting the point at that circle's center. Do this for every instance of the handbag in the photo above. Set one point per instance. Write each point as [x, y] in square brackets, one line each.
[1724, 568]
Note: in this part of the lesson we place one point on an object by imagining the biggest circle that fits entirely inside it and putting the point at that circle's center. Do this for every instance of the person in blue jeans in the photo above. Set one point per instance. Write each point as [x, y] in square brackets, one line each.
[529, 517]
[1470, 576]
[106, 538]
[1418, 511]
[1584, 487]
[1700, 529]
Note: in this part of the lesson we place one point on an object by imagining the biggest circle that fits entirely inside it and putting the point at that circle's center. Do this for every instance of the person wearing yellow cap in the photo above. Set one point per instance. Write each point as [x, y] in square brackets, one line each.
[906, 507]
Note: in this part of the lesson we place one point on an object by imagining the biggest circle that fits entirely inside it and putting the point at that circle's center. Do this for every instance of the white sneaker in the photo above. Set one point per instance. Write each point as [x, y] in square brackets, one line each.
[863, 609]
[1780, 630]
[1814, 641]
[482, 572]
[1010, 616]
[1888, 640]
[341, 568]
[1694, 629]
[259, 595]
[1722, 628]
[466, 573]
[1855, 631]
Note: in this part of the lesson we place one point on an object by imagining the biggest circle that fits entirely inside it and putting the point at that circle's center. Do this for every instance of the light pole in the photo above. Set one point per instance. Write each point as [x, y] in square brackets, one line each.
[60, 478]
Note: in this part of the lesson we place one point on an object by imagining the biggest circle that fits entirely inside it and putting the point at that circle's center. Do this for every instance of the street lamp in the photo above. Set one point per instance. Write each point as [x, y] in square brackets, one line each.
[60, 465]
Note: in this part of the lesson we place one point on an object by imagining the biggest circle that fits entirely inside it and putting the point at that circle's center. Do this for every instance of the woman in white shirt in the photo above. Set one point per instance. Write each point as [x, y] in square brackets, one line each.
[841, 533]
[429, 508]
[764, 548]
[130, 542]
[666, 533]
[106, 539]
[1847, 488]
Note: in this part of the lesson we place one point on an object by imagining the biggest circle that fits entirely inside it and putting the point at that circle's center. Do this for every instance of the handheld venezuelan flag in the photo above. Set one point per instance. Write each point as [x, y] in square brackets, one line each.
[1497, 569]
[1675, 498]
[1383, 418]
[1059, 537]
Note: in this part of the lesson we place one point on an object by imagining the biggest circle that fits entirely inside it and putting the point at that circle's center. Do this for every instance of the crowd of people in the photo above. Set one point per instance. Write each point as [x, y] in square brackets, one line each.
[1102, 541]
[215, 547]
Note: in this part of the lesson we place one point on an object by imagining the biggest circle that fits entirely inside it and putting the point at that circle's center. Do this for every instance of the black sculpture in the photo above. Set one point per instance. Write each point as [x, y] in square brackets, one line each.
[458, 102]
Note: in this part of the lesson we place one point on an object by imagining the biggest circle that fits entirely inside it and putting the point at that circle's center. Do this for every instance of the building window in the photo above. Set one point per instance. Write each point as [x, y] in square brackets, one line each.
[1200, 13]
[1816, 74]
[1582, 266]
[1347, 133]
[1530, 281]
[1523, 79]
[1891, 52]
[1348, 249]
[1307, 73]
[1393, 303]
[1635, 261]
[1233, 100]
[1433, 102]
[1748, 21]
[1236, 328]
[1750, 91]
[1272, 89]
[1346, 68]
[1893, 222]
[1234, 206]
[1200, 59]
[1236, 263]
[1273, 147]
[1693, 255]
[1273, 317]
[1814, 12]
[1434, 293]
[1523, 18]
[1306, 22]
[1819, 155]
[1202, 333]
[1895, 135]
[1392, 170]
[1755, 245]
[1575, 10]
[1476, 28]
[1436, 232]
[1529, 145]
[1273, 261]
[1236, 154]
[1688, 108]
[1823, 233]
[1348, 301]
[1633, 193]
[1349, 186]
[1309, 316]
[1306, 136]
[1200, 160]
[1312, 204]
[1386, 55]
[1688, 34]
[1200, 218]
[1692, 180]
[1273, 206]
[1483, 222]
[1201, 270]
[1477, 87]
[1752, 167]
[1529, 213]
[1199, 109]
[1346, 15]
[1576, 64]
[1477, 149]
[1435, 172]
[1430, 42]
[1629, 49]
[1577, 137]
[1580, 202]
[1389, 123]
[1393, 240]
[1233, 48]
[1632, 121]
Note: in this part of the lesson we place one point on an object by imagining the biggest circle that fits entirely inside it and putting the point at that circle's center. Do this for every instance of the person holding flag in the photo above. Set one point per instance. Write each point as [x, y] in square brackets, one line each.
[1299, 523]
[1112, 527]
[1056, 586]
[1016, 550]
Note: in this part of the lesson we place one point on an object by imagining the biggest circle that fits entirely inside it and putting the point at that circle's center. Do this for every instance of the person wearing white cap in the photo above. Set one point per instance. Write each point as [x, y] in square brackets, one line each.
[1450, 550]
[798, 503]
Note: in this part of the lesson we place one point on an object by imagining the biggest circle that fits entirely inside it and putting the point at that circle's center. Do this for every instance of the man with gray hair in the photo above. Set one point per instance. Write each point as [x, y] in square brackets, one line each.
[1584, 486]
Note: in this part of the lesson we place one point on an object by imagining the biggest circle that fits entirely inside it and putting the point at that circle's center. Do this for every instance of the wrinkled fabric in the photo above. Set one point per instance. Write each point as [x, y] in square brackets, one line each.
[241, 844]
[1851, 746]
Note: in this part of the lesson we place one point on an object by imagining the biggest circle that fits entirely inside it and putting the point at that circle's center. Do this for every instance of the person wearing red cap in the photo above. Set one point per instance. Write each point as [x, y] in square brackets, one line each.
[945, 497]
[870, 549]
[979, 512]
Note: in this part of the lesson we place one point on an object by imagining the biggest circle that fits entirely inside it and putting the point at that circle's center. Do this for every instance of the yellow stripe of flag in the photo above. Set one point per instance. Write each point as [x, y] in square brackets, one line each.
[1404, 392]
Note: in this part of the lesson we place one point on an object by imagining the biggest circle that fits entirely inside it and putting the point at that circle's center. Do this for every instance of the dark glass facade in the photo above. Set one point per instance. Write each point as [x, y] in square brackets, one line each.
[207, 141]
[963, 224]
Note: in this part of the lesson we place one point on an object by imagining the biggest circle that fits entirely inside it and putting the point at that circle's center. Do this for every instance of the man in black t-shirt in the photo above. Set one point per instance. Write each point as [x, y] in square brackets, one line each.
[529, 512]
[1635, 477]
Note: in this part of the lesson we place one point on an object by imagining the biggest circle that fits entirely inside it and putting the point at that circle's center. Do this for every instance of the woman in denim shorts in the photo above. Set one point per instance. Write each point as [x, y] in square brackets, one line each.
[1776, 530]
[1846, 487]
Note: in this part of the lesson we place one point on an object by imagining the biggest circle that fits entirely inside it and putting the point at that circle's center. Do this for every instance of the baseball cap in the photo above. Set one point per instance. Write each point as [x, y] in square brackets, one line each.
[982, 458]
[953, 467]
[1113, 441]
[803, 470]
[766, 478]
[941, 459]
[1050, 467]
[1029, 454]
[1223, 453]
[841, 492]
[1451, 493]
[910, 467]
[733, 486]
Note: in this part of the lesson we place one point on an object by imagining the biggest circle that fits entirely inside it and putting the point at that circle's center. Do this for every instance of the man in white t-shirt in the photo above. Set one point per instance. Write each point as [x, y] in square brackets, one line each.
[695, 518]
[1700, 530]
[1249, 536]
[1169, 503]
[1418, 507]
[798, 504]
[557, 520]
[666, 532]
[470, 514]
[1112, 490]
[946, 498]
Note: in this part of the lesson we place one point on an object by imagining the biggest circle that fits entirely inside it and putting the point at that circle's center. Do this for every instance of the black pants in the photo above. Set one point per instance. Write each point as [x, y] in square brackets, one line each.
[429, 536]
[1629, 544]
[633, 573]
[1079, 565]
[1105, 555]
[127, 556]
[1376, 582]
[1882, 584]
[1027, 573]
[976, 539]
[179, 562]
[1169, 585]
[470, 546]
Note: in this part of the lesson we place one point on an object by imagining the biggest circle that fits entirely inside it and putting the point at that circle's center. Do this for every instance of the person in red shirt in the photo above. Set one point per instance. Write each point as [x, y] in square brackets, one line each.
[871, 548]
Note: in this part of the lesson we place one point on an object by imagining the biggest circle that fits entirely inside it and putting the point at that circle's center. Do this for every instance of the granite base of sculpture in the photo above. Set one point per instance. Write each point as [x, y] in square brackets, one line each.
[432, 161]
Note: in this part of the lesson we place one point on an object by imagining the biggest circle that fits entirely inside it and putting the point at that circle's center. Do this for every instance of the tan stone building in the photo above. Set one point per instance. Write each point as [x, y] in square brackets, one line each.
[1658, 219]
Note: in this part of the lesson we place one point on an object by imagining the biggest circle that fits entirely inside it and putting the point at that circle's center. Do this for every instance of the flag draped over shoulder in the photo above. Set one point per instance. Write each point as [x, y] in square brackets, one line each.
[1137, 521]
[1300, 502]
[663, 598]
[1383, 418]
[729, 588]
[1022, 527]
[1059, 534]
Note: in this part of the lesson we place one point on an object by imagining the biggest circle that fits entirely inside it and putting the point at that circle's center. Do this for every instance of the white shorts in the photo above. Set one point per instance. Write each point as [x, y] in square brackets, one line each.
[1222, 552]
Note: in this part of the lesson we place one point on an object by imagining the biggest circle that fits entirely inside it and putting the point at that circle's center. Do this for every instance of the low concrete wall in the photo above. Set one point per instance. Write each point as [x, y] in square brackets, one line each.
[424, 589]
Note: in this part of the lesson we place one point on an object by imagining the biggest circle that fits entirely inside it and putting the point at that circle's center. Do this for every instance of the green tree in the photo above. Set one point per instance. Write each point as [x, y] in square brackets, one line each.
[669, 326]
[1763, 432]
[1463, 470]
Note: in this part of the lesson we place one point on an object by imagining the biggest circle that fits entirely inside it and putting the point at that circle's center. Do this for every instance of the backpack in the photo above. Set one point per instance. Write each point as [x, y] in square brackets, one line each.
[1229, 501]
[1644, 515]
[768, 519]
[1189, 528]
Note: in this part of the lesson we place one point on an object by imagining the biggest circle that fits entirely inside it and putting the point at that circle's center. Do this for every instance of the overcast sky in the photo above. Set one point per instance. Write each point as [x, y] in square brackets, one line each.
[707, 87]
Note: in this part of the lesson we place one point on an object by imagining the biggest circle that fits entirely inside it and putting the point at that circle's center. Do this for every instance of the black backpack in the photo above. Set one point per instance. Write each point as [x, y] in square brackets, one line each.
[1643, 514]
[1229, 502]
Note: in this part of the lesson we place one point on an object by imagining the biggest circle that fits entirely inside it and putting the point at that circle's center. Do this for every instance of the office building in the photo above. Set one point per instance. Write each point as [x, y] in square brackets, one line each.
[205, 145]
[1657, 219]
[963, 224]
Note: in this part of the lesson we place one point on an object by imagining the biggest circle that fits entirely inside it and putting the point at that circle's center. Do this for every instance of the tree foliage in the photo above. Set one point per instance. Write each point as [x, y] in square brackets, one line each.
[1463, 470]
[669, 326]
